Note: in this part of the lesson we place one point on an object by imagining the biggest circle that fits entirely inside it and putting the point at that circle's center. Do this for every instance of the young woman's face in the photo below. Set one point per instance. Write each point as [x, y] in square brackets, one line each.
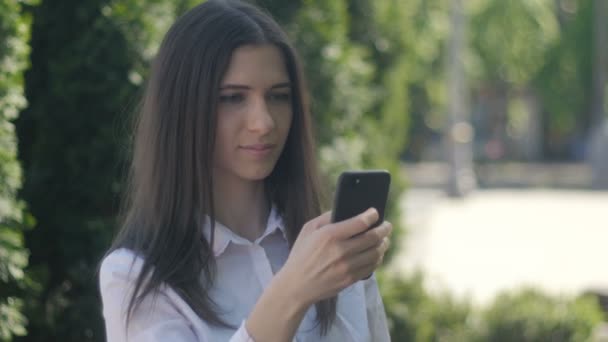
[254, 113]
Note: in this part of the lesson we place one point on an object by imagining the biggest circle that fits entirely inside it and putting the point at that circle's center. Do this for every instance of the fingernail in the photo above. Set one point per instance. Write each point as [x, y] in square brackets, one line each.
[371, 215]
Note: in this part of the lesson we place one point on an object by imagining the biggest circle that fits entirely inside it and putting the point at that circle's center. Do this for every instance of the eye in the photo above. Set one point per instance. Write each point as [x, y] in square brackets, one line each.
[279, 97]
[232, 98]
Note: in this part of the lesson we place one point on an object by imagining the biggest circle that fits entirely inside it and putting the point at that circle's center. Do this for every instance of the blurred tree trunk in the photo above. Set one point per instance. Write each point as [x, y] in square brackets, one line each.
[599, 126]
[458, 135]
[533, 134]
[600, 59]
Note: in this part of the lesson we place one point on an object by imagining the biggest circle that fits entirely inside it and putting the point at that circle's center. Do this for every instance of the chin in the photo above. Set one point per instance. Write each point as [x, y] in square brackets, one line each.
[256, 174]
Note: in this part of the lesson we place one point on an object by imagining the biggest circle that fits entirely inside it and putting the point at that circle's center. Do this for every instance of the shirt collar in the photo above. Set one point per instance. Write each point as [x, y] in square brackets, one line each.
[224, 236]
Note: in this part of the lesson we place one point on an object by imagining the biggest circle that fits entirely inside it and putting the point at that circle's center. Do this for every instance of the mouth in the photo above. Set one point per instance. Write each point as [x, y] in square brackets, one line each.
[258, 147]
[258, 150]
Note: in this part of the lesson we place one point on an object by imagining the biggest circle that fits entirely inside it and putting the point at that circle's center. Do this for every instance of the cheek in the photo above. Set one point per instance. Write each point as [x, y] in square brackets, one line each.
[284, 123]
[224, 136]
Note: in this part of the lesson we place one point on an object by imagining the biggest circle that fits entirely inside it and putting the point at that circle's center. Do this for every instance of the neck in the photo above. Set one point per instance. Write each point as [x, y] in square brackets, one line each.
[241, 206]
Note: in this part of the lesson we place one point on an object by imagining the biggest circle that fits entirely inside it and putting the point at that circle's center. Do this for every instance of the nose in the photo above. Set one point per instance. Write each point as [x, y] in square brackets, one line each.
[259, 117]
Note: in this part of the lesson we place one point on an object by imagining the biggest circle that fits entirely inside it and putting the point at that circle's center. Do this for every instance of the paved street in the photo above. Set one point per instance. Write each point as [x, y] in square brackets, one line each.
[501, 239]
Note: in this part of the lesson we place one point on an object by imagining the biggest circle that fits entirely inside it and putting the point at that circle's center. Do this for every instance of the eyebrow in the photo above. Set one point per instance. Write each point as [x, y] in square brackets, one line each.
[244, 87]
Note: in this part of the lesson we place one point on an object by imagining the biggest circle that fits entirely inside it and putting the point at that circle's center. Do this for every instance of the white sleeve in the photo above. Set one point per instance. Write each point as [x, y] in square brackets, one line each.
[376, 316]
[157, 318]
[241, 335]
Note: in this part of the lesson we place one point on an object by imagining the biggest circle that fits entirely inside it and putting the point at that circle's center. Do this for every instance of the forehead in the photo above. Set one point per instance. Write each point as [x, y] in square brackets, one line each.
[256, 66]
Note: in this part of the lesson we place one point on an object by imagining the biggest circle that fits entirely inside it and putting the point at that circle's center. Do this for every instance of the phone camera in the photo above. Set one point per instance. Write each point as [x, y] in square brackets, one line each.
[357, 181]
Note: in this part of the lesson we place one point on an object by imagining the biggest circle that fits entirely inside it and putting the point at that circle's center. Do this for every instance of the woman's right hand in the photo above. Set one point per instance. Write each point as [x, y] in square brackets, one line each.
[328, 257]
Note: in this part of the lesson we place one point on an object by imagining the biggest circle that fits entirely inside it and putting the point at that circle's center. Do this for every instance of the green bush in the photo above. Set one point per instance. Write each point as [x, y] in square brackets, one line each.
[88, 62]
[416, 315]
[14, 49]
[529, 315]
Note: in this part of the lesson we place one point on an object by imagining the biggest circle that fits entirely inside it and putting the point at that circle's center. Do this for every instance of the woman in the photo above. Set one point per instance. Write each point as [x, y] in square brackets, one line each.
[223, 236]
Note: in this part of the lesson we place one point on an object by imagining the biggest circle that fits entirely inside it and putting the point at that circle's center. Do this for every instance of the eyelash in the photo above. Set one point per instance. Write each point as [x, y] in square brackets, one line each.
[282, 97]
[238, 98]
[231, 98]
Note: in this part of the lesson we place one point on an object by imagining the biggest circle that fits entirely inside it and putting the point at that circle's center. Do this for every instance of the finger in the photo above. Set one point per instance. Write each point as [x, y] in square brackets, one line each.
[368, 239]
[366, 270]
[371, 257]
[355, 225]
[323, 220]
[319, 221]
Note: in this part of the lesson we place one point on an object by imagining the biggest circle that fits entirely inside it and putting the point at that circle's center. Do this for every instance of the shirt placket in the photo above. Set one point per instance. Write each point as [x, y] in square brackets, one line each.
[261, 265]
[262, 268]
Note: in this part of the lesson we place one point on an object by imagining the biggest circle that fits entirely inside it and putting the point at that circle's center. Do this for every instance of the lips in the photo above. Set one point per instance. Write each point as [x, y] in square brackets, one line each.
[258, 147]
[258, 151]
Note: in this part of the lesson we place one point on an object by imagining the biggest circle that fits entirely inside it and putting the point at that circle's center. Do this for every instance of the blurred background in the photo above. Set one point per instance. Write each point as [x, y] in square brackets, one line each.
[490, 115]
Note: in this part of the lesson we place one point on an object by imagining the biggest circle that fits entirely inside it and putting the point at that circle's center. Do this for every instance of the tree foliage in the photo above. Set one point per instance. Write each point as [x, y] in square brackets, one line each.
[539, 49]
[375, 70]
[564, 81]
[88, 61]
[358, 90]
[14, 35]
[509, 38]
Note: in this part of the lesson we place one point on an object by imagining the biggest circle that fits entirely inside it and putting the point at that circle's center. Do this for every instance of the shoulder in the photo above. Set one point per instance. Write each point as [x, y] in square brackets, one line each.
[161, 316]
[120, 266]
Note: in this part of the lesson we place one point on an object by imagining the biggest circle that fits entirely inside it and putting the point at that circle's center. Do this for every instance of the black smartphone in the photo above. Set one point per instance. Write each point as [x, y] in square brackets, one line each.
[358, 191]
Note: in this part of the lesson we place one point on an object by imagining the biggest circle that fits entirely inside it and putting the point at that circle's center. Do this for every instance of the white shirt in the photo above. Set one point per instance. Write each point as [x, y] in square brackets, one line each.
[244, 269]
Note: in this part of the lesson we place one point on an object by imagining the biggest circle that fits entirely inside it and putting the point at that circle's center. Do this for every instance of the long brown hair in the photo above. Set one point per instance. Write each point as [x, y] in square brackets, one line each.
[170, 180]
